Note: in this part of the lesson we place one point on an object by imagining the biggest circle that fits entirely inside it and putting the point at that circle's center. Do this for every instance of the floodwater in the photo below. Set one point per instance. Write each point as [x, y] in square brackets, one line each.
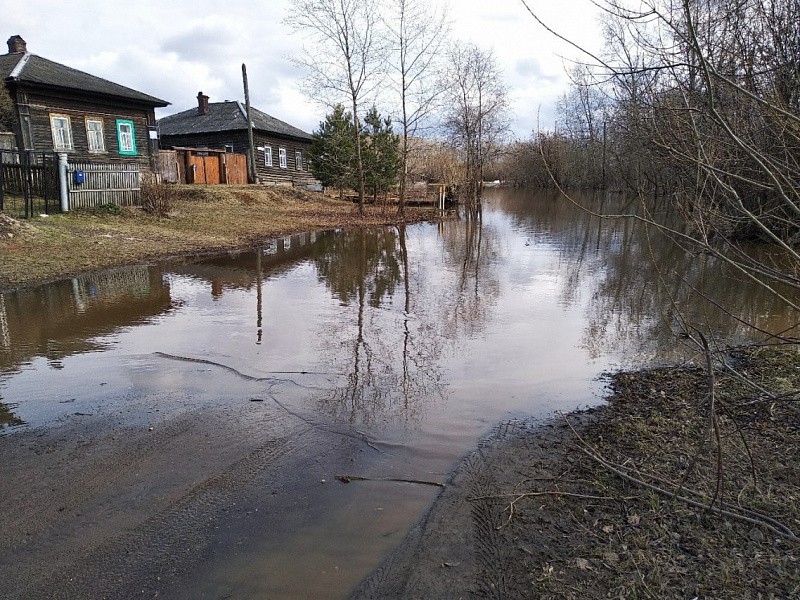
[410, 343]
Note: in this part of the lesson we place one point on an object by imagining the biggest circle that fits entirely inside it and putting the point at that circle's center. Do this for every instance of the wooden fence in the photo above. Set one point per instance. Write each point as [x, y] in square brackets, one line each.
[29, 183]
[111, 183]
[202, 166]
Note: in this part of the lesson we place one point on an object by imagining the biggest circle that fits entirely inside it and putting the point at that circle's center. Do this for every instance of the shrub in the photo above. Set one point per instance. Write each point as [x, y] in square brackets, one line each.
[108, 209]
[158, 199]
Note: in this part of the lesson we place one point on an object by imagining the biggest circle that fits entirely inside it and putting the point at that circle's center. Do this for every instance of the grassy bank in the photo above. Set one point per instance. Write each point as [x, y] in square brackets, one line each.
[200, 219]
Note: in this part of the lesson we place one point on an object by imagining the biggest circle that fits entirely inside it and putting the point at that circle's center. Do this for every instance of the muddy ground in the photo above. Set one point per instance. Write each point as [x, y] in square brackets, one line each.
[593, 505]
[172, 496]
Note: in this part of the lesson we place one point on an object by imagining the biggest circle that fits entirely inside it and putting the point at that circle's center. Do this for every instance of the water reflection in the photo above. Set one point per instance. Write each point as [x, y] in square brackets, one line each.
[471, 260]
[73, 316]
[244, 270]
[7, 416]
[381, 346]
[494, 300]
[68, 317]
[645, 289]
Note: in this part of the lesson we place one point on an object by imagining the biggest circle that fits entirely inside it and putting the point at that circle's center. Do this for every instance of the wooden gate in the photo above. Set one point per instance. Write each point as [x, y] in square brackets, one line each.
[168, 168]
[29, 183]
[205, 169]
[235, 168]
[206, 166]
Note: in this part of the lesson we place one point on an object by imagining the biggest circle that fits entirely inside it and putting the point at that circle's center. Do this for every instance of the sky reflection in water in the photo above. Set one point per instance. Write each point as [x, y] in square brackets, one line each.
[438, 328]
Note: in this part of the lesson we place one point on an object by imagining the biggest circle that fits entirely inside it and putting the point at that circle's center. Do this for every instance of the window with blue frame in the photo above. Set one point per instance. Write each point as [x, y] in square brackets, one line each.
[126, 137]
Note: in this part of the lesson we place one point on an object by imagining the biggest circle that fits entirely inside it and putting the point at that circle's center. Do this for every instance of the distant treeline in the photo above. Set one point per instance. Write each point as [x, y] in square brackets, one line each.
[699, 100]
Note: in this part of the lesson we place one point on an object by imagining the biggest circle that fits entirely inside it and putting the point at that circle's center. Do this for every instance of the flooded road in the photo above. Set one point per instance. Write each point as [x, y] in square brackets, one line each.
[176, 430]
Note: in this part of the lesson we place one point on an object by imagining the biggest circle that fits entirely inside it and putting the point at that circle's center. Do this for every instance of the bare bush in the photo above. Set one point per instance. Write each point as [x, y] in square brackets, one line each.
[158, 199]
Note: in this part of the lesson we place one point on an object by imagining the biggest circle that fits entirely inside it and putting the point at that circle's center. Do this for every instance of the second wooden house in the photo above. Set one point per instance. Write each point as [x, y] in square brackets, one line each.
[281, 149]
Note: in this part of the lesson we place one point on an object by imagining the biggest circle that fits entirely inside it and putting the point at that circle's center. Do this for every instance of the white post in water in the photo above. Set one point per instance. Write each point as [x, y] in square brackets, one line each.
[62, 181]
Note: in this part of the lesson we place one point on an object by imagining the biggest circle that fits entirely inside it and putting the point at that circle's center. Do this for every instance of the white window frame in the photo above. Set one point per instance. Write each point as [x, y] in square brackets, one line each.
[298, 160]
[61, 128]
[282, 157]
[268, 156]
[95, 138]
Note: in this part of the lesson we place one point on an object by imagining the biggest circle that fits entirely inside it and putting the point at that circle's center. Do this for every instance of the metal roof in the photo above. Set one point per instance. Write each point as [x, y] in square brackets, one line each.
[225, 116]
[33, 69]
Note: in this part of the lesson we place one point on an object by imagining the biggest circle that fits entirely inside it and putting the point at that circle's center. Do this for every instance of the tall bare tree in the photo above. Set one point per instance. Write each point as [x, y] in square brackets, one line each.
[417, 30]
[344, 60]
[477, 110]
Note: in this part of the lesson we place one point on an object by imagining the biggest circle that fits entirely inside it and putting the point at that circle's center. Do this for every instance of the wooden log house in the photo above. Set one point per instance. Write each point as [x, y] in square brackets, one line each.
[281, 149]
[92, 120]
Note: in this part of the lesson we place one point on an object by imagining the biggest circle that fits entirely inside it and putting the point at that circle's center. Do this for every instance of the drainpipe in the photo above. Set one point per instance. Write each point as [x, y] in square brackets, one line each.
[62, 181]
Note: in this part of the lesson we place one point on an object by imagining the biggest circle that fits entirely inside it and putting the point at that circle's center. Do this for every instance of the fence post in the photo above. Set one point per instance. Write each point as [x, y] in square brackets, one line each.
[63, 190]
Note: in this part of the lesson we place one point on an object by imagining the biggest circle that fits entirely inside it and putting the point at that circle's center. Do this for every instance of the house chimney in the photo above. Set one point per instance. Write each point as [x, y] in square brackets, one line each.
[16, 45]
[202, 103]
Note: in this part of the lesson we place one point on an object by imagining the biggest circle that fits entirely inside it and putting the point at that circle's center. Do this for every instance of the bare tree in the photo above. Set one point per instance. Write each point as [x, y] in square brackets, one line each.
[417, 30]
[700, 89]
[477, 117]
[710, 91]
[345, 59]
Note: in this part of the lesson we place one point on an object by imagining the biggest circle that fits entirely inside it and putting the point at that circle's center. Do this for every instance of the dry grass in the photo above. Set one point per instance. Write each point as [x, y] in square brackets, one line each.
[618, 539]
[201, 219]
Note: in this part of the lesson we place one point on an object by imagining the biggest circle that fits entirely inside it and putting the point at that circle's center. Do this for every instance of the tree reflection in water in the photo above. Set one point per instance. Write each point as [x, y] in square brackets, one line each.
[645, 288]
[7, 416]
[391, 348]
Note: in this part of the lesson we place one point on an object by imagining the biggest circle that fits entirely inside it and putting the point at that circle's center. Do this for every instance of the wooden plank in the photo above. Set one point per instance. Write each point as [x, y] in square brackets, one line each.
[237, 169]
[211, 165]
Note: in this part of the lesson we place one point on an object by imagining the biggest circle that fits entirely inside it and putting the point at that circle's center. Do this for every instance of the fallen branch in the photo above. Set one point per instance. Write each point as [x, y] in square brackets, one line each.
[773, 525]
[349, 478]
[749, 516]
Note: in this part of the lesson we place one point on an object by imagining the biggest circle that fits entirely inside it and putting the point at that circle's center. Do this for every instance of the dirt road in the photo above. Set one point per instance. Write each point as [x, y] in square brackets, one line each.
[190, 500]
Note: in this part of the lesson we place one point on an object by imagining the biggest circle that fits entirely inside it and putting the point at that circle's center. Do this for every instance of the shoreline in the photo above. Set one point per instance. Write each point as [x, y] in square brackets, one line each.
[202, 221]
[541, 509]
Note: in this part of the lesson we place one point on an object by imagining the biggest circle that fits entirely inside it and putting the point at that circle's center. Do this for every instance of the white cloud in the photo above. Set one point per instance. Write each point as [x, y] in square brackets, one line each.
[173, 50]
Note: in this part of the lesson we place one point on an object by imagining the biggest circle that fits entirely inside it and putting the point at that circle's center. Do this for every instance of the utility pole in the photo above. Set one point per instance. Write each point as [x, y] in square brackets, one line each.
[251, 153]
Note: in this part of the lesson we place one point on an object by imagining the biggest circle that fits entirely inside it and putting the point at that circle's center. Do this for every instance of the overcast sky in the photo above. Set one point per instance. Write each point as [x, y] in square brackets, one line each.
[172, 50]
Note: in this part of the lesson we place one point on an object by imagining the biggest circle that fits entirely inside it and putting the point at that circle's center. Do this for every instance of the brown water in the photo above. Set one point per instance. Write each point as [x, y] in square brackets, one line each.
[419, 339]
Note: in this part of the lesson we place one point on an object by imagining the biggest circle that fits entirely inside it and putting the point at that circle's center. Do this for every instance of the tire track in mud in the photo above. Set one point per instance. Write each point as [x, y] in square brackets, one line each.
[139, 562]
[31, 515]
[454, 551]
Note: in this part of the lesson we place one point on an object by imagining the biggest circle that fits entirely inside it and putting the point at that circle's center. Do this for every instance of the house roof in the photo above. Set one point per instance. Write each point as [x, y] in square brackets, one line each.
[225, 116]
[33, 69]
